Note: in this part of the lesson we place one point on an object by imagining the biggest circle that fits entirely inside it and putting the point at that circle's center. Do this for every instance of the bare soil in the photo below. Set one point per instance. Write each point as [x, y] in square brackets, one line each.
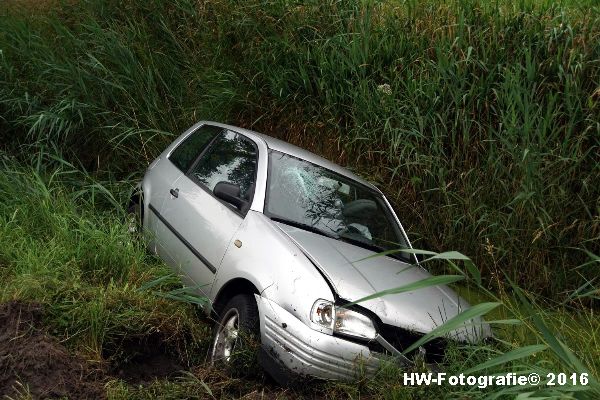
[140, 360]
[35, 364]
[32, 361]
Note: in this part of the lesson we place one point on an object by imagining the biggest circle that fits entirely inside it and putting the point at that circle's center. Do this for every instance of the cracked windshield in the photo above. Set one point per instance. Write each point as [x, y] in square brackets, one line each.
[314, 198]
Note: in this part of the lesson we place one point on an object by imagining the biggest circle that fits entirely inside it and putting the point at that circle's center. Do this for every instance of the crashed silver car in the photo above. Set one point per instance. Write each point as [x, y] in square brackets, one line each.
[279, 240]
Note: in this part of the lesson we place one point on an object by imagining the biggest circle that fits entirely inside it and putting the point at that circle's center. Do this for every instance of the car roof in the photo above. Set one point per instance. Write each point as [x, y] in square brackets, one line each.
[285, 147]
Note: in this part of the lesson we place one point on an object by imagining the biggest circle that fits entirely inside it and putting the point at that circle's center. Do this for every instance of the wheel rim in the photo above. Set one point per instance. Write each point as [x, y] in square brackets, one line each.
[226, 337]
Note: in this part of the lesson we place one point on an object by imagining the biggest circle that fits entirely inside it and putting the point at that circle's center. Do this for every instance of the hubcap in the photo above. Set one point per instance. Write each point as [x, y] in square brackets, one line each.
[226, 337]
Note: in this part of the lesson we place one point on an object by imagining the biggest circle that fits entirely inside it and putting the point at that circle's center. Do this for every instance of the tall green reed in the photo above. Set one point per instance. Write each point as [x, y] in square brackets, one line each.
[479, 119]
[525, 341]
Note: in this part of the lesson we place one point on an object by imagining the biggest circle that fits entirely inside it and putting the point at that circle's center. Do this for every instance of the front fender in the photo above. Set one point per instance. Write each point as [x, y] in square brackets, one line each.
[275, 266]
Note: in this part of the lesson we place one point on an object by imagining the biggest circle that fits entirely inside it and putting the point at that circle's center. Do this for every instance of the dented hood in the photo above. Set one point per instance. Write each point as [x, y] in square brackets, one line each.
[355, 276]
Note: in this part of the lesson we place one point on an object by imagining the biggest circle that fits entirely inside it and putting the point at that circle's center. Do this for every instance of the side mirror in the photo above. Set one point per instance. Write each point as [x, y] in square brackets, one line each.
[230, 193]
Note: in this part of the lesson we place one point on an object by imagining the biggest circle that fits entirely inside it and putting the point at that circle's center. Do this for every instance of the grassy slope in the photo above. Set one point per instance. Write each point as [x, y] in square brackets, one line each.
[488, 129]
[58, 247]
[480, 122]
[80, 263]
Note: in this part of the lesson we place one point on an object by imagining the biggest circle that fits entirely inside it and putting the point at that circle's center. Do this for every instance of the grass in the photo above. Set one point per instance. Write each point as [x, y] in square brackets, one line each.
[81, 265]
[481, 116]
[479, 119]
[63, 246]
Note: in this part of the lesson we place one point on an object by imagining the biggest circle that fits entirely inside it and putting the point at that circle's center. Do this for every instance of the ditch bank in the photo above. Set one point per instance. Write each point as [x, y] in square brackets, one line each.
[35, 363]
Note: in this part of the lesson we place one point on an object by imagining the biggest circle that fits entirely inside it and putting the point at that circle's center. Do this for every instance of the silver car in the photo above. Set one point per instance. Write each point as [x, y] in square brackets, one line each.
[279, 240]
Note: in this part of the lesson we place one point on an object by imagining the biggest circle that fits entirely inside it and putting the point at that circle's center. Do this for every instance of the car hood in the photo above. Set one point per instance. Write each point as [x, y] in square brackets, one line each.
[354, 276]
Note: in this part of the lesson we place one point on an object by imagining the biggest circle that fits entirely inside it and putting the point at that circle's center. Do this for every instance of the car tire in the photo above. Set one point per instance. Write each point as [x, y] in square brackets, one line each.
[236, 338]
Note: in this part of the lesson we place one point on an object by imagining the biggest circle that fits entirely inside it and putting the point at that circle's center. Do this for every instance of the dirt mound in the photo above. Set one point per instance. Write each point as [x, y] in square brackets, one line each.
[140, 360]
[37, 361]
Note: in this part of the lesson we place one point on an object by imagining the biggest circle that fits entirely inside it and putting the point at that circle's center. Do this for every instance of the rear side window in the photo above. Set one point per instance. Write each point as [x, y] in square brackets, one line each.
[186, 153]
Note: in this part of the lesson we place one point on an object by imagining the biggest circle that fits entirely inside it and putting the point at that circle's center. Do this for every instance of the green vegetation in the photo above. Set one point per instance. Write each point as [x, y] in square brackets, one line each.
[57, 249]
[479, 119]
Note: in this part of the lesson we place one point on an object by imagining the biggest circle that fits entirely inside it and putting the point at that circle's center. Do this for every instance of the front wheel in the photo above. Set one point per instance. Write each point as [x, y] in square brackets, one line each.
[236, 334]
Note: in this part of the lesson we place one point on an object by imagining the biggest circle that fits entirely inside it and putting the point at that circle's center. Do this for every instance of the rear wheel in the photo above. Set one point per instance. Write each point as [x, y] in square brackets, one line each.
[236, 334]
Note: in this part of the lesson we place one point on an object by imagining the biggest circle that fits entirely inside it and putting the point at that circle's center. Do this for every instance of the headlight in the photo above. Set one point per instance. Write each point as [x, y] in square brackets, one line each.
[353, 323]
[344, 321]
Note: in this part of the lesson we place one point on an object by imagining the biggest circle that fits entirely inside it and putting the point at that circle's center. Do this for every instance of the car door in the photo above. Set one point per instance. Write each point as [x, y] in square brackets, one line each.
[162, 178]
[201, 225]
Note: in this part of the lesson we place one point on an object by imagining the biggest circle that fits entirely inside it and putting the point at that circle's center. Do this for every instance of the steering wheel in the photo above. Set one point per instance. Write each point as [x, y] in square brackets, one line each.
[360, 207]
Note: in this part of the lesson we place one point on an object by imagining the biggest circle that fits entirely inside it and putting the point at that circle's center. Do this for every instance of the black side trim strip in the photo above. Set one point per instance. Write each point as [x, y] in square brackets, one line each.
[185, 242]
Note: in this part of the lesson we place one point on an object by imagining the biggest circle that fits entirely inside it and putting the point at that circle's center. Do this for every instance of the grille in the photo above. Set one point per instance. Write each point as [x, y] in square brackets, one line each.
[401, 339]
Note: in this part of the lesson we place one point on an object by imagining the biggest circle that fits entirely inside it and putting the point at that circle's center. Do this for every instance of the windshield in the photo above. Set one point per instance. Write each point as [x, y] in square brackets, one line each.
[314, 198]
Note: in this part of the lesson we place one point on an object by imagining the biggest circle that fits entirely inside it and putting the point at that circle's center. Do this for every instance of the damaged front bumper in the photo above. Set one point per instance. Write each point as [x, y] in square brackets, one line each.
[292, 350]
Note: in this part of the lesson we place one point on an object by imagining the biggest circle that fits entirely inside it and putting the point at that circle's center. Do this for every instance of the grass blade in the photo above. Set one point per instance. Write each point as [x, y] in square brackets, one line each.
[516, 354]
[423, 283]
[454, 323]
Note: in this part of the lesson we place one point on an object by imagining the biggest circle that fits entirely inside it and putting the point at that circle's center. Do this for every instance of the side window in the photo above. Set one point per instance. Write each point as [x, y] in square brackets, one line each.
[187, 151]
[232, 158]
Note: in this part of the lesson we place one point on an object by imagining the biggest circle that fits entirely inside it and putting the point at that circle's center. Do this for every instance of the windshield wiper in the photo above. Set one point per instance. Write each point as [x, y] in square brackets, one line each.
[303, 226]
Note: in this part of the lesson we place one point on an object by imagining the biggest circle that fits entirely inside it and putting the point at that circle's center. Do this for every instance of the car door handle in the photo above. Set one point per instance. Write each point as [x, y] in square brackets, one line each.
[174, 192]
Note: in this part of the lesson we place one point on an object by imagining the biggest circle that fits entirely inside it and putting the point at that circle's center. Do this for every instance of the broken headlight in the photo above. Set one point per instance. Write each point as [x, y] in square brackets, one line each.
[342, 320]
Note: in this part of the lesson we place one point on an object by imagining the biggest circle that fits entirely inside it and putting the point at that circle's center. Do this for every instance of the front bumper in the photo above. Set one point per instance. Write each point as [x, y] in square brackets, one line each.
[289, 346]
